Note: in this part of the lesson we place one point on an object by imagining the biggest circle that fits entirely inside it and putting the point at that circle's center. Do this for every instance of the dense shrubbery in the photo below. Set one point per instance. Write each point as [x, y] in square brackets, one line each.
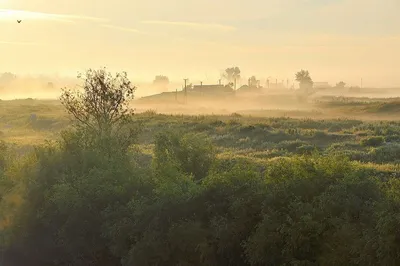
[83, 207]
[94, 198]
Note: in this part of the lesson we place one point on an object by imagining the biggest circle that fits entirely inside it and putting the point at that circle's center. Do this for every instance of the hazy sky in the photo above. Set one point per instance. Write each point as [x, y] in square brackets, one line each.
[334, 39]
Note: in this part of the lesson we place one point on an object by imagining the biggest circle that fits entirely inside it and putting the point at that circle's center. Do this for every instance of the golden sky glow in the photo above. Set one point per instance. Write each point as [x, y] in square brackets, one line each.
[333, 39]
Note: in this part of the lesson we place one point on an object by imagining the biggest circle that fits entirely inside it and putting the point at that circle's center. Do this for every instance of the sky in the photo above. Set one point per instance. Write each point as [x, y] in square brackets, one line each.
[197, 39]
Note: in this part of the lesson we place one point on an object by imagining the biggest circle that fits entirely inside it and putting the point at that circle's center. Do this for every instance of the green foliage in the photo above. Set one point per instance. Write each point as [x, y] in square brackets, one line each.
[386, 154]
[190, 153]
[65, 196]
[291, 146]
[373, 141]
[7, 158]
[3, 157]
[103, 106]
[308, 214]
[204, 190]
[306, 149]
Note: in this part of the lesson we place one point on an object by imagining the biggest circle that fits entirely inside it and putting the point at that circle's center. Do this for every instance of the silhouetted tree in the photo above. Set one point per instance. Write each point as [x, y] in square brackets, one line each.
[340, 85]
[253, 82]
[103, 106]
[304, 78]
[231, 74]
[161, 81]
[50, 85]
[7, 77]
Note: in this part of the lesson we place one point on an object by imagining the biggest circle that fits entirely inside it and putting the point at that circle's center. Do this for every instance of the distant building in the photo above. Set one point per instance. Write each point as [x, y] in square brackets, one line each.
[252, 89]
[322, 85]
[211, 88]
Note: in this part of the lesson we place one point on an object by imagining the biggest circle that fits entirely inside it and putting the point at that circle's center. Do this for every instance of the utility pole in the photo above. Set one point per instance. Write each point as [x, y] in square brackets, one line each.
[235, 84]
[219, 81]
[185, 91]
[268, 83]
[176, 95]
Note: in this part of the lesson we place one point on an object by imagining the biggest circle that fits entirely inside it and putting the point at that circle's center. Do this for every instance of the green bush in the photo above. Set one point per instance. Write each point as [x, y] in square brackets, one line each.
[190, 153]
[293, 210]
[392, 138]
[291, 145]
[64, 199]
[306, 149]
[372, 141]
[7, 160]
[386, 154]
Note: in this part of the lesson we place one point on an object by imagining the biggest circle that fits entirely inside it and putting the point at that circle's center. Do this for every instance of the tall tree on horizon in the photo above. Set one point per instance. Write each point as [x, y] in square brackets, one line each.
[161, 82]
[340, 85]
[231, 74]
[304, 78]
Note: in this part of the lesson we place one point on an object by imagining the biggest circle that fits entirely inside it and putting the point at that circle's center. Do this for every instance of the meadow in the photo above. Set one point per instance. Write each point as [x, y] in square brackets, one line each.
[316, 186]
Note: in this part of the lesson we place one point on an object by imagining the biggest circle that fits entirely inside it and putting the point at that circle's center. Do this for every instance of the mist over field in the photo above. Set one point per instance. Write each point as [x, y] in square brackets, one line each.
[169, 98]
[49, 86]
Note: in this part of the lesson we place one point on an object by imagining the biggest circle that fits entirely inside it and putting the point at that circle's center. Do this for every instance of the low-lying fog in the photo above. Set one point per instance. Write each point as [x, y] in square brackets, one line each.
[276, 99]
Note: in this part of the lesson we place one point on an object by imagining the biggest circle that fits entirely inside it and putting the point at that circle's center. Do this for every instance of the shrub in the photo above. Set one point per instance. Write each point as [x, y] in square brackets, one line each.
[291, 145]
[246, 129]
[64, 197]
[386, 154]
[372, 141]
[306, 149]
[392, 138]
[191, 153]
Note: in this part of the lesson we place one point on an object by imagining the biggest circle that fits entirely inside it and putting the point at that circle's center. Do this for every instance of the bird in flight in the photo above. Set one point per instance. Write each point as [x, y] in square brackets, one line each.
[19, 21]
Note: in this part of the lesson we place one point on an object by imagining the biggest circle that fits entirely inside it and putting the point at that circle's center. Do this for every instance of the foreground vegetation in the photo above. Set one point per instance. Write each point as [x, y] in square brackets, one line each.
[195, 190]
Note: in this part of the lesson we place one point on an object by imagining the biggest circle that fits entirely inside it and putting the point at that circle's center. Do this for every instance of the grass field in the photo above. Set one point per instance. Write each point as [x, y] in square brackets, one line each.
[256, 134]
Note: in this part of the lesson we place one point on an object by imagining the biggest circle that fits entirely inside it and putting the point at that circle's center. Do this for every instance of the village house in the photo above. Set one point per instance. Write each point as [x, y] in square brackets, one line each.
[321, 85]
[209, 89]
